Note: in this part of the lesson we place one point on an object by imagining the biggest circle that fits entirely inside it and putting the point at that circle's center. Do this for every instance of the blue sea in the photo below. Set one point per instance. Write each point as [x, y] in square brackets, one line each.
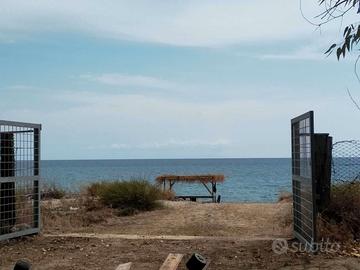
[246, 180]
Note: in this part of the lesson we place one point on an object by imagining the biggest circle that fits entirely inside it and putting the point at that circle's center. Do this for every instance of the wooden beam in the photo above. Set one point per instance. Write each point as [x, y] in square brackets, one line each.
[208, 189]
[172, 262]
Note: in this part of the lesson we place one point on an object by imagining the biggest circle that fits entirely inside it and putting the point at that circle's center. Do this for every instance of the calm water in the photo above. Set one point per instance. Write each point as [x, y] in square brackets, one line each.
[251, 180]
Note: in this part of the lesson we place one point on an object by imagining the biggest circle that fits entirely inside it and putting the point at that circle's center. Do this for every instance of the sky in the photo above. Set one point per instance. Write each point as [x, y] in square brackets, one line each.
[118, 79]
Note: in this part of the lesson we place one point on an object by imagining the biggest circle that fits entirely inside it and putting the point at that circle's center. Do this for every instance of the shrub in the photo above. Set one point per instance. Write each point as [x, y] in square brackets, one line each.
[342, 216]
[52, 191]
[94, 189]
[285, 196]
[134, 194]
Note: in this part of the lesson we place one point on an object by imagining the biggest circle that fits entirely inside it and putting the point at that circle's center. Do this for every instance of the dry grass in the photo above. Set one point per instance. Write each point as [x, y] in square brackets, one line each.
[98, 203]
[341, 220]
[205, 178]
[64, 214]
[168, 195]
[174, 218]
[52, 191]
[285, 196]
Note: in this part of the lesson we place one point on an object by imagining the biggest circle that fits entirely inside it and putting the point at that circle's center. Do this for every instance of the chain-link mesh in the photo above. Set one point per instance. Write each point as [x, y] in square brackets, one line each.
[346, 161]
[344, 205]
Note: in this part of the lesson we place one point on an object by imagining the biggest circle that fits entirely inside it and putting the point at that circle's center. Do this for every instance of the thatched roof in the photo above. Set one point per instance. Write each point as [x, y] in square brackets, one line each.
[205, 178]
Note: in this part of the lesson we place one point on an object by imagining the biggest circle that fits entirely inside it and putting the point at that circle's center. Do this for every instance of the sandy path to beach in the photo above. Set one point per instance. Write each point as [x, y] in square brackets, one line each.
[159, 237]
[243, 221]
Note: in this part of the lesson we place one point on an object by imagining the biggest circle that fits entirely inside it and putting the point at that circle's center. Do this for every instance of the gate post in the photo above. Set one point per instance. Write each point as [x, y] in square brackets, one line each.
[322, 170]
[7, 189]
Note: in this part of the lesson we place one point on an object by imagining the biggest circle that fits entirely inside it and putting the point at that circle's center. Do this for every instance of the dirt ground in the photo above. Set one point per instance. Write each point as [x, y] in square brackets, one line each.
[231, 236]
[105, 254]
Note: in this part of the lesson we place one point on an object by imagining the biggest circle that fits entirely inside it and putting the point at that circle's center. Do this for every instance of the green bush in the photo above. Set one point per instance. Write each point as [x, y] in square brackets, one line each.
[133, 194]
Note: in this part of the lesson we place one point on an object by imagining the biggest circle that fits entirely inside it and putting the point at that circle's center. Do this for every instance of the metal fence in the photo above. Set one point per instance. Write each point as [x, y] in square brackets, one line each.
[19, 179]
[304, 200]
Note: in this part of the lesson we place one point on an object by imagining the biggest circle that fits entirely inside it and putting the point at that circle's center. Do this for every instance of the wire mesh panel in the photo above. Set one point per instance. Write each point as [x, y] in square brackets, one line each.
[346, 161]
[302, 129]
[345, 177]
[19, 179]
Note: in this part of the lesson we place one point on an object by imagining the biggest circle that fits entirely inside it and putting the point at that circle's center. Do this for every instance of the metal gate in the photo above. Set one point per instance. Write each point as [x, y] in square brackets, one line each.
[304, 186]
[19, 179]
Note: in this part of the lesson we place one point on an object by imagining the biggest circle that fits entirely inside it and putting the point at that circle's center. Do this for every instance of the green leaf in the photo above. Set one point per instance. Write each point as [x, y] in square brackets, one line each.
[338, 53]
[330, 49]
[347, 43]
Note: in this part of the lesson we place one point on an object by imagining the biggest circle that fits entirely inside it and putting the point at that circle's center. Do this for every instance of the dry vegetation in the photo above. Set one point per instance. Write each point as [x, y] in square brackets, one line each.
[52, 191]
[99, 202]
[134, 195]
[87, 213]
[203, 178]
[341, 220]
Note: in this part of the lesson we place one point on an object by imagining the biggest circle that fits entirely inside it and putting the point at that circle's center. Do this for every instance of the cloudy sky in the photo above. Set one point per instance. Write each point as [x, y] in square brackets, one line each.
[171, 79]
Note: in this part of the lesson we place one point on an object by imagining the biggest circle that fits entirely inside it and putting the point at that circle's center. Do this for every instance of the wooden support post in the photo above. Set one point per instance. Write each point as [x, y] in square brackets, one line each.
[171, 185]
[214, 191]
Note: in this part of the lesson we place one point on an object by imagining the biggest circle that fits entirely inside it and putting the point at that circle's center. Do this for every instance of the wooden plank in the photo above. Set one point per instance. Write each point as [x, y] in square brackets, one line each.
[172, 261]
[124, 266]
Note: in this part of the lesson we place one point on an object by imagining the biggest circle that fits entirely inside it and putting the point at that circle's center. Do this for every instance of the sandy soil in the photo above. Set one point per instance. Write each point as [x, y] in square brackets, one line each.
[186, 218]
[232, 236]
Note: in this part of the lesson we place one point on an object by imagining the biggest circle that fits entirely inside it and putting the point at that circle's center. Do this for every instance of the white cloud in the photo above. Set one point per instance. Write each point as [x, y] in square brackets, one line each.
[166, 144]
[312, 50]
[118, 79]
[184, 143]
[120, 146]
[184, 23]
[300, 54]
[21, 87]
